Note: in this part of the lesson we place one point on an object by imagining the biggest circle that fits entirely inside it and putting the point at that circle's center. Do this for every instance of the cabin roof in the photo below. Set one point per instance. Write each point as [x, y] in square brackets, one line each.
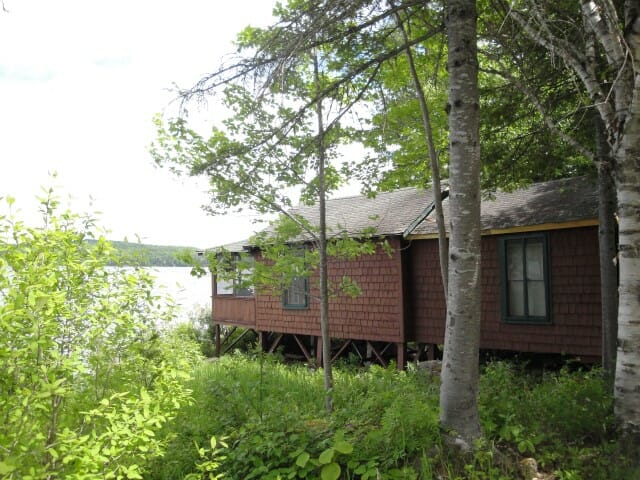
[235, 247]
[554, 202]
[409, 211]
[388, 213]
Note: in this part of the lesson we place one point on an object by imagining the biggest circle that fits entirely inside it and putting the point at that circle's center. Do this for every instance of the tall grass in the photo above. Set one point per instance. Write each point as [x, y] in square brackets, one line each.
[385, 424]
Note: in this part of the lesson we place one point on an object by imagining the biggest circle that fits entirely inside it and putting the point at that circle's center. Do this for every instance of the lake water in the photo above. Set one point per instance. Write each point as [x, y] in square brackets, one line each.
[190, 293]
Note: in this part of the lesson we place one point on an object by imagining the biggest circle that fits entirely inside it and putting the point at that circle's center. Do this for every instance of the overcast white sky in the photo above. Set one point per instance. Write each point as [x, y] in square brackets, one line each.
[80, 81]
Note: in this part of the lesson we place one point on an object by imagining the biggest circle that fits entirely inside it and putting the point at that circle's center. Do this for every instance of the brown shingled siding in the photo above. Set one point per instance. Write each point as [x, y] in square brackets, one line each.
[377, 314]
[575, 297]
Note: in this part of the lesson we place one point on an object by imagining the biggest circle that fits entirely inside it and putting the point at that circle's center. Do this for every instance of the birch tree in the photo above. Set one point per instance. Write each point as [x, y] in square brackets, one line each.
[460, 369]
[614, 89]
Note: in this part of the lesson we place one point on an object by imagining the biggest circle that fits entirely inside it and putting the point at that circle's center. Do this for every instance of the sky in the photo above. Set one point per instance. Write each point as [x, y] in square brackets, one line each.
[80, 82]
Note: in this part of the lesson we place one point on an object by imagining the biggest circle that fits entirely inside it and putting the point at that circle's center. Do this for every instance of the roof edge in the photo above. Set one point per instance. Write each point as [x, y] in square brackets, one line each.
[591, 222]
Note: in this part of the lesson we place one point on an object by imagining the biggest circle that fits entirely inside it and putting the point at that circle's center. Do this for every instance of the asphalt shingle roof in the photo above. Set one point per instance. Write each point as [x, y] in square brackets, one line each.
[388, 212]
[391, 213]
[557, 201]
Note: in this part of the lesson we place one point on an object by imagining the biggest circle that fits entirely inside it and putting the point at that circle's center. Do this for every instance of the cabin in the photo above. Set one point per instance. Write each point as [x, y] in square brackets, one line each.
[540, 279]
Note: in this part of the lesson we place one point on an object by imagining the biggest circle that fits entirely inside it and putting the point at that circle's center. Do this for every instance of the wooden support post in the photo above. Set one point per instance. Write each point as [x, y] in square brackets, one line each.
[303, 348]
[340, 350]
[216, 335]
[401, 355]
[377, 355]
[319, 351]
[431, 351]
[224, 347]
[354, 347]
[240, 337]
[276, 342]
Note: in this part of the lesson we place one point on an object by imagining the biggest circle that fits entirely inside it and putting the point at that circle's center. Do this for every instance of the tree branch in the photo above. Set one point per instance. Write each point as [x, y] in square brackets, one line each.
[549, 122]
[577, 62]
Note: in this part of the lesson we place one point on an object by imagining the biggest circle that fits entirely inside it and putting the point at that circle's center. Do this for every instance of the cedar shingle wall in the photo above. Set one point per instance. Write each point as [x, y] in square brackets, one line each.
[575, 297]
[375, 315]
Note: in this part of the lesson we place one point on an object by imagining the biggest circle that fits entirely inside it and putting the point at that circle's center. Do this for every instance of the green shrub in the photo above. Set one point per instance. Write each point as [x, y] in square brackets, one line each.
[562, 418]
[87, 379]
[270, 413]
[272, 419]
[577, 406]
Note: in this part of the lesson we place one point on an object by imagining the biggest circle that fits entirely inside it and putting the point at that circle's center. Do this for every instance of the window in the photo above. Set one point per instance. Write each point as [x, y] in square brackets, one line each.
[224, 287]
[525, 279]
[297, 294]
[244, 269]
[240, 267]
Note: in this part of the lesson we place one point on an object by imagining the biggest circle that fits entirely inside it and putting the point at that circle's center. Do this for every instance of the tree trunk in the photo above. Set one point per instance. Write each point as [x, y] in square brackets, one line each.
[607, 248]
[627, 178]
[443, 246]
[627, 379]
[459, 388]
[322, 250]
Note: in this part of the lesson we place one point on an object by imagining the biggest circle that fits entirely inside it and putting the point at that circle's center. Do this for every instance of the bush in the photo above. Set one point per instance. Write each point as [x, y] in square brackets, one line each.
[272, 418]
[385, 425]
[88, 379]
[563, 418]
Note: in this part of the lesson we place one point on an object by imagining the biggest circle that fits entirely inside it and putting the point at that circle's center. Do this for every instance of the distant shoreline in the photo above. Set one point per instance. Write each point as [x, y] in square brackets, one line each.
[146, 255]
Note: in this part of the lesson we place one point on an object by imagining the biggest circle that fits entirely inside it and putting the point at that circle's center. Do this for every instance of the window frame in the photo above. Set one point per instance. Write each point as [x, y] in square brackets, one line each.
[300, 251]
[504, 283]
[234, 283]
[237, 278]
[296, 306]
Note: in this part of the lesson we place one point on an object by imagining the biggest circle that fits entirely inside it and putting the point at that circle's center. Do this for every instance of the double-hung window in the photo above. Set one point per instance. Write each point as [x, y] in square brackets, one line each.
[525, 279]
[296, 294]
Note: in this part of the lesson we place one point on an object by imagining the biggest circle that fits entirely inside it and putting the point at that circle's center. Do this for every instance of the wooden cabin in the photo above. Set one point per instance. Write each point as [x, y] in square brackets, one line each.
[540, 279]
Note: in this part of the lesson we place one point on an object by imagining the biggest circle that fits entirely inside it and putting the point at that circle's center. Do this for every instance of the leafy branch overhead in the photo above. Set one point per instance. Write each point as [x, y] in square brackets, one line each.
[269, 92]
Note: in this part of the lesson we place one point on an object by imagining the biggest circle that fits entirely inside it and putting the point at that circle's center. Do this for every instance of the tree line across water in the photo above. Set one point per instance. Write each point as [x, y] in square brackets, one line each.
[150, 255]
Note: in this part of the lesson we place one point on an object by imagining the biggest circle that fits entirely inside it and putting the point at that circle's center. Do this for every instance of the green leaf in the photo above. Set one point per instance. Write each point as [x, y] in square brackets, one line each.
[302, 459]
[343, 446]
[5, 468]
[330, 472]
[326, 456]
[213, 443]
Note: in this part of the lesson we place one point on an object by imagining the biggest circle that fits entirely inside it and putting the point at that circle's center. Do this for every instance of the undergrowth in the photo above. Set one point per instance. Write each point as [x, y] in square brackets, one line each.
[268, 422]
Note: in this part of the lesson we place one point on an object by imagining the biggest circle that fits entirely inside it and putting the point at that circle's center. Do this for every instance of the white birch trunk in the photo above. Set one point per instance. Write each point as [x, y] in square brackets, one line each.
[620, 111]
[459, 388]
[627, 380]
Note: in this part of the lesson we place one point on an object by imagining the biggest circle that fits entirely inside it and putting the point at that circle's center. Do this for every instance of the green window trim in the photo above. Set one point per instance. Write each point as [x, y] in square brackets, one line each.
[525, 287]
[296, 299]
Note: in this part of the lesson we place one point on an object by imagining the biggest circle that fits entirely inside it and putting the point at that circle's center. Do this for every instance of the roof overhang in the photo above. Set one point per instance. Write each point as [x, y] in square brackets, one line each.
[521, 229]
